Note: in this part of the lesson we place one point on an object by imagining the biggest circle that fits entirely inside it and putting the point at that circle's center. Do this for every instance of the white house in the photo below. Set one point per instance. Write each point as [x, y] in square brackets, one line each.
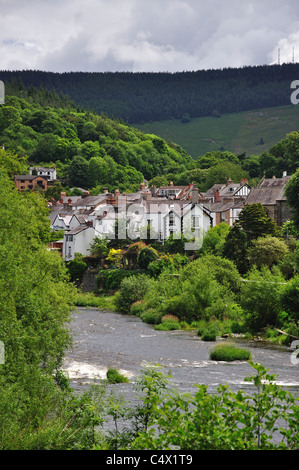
[61, 222]
[48, 173]
[77, 240]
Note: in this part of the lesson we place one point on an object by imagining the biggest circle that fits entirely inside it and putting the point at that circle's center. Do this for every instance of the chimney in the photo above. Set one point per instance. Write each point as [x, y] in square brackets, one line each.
[62, 195]
[229, 181]
[69, 201]
[153, 190]
[216, 195]
[195, 195]
[243, 181]
[142, 187]
[171, 183]
[116, 193]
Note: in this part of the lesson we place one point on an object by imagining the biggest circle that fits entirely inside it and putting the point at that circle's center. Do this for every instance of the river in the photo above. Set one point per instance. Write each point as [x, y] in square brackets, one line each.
[105, 340]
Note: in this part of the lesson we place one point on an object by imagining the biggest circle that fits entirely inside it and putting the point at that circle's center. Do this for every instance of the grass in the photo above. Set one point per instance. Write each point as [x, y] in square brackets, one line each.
[229, 352]
[115, 377]
[83, 299]
[236, 132]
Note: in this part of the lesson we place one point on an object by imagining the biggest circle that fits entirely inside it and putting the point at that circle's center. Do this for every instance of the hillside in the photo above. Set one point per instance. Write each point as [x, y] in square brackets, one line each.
[89, 150]
[253, 132]
[145, 97]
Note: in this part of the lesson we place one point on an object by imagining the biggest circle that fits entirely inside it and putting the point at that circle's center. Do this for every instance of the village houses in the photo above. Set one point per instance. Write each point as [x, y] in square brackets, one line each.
[162, 212]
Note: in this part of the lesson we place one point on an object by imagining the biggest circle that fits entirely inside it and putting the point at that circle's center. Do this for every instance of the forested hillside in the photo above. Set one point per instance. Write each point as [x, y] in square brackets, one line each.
[95, 152]
[88, 149]
[144, 97]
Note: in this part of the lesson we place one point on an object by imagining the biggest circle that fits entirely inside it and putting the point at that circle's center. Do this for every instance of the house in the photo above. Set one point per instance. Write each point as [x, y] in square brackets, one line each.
[229, 189]
[29, 182]
[77, 240]
[172, 191]
[270, 193]
[166, 217]
[48, 173]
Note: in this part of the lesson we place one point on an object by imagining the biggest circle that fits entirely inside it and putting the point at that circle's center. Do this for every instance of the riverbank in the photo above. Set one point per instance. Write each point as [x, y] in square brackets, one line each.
[105, 339]
[207, 330]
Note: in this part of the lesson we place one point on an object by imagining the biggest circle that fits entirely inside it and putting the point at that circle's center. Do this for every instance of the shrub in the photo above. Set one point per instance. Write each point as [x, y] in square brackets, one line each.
[137, 308]
[229, 352]
[111, 279]
[151, 316]
[114, 377]
[208, 335]
[290, 298]
[132, 289]
[168, 325]
[261, 298]
[146, 256]
[77, 268]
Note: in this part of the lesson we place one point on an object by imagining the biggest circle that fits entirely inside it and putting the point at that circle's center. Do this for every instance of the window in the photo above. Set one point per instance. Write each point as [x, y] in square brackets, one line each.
[195, 221]
[171, 218]
[69, 238]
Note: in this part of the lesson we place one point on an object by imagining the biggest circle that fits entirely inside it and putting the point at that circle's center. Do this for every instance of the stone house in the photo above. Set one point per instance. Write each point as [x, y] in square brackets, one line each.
[270, 193]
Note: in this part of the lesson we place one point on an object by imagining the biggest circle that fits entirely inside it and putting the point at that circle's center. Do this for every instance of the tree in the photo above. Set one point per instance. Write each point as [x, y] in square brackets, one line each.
[267, 251]
[78, 172]
[254, 221]
[35, 297]
[260, 297]
[214, 239]
[235, 248]
[292, 192]
[145, 256]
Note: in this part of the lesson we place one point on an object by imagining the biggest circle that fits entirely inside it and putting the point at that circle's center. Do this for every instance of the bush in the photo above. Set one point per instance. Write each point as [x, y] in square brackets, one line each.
[229, 352]
[146, 256]
[137, 308]
[110, 279]
[114, 377]
[168, 322]
[77, 268]
[208, 335]
[167, 326]
[131, 290]
[151, 316]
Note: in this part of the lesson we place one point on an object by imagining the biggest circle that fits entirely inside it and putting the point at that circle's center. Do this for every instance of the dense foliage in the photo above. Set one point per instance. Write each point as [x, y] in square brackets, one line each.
[88, 150]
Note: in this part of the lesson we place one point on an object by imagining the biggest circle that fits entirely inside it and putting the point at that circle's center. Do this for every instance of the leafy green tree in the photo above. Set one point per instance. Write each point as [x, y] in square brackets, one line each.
[222, 172]
[11, 164]
[214, 239]
[78, 172]
[266, 251]
[34, 294]
[146, 256]
[223, 420]
[290, 299]
[235, 248]
[260, 297]
[291, 192]
[254, 221]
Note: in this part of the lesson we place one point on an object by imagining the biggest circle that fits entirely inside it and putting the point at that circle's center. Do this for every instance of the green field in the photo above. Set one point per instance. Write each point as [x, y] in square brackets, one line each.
[253, 132]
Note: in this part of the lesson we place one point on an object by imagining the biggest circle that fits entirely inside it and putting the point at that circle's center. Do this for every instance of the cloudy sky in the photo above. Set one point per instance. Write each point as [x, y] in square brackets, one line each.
[146, 35]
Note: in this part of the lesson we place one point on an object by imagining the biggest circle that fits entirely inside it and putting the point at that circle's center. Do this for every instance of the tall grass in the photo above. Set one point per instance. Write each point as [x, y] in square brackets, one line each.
[229, 352]
[83, 299]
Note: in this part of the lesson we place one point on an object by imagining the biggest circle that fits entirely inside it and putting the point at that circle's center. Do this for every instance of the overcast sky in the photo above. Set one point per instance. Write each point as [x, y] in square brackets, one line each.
[146, 35]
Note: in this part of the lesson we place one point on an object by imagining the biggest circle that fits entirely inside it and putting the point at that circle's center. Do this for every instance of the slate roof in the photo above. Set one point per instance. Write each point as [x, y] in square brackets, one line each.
[269, 191]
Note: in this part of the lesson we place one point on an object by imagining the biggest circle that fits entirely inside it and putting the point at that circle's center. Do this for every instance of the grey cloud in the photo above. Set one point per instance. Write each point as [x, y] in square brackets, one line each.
[138, 35]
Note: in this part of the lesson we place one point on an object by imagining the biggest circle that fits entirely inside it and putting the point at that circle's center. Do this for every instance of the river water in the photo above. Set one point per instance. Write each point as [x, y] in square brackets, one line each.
[105, 340]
